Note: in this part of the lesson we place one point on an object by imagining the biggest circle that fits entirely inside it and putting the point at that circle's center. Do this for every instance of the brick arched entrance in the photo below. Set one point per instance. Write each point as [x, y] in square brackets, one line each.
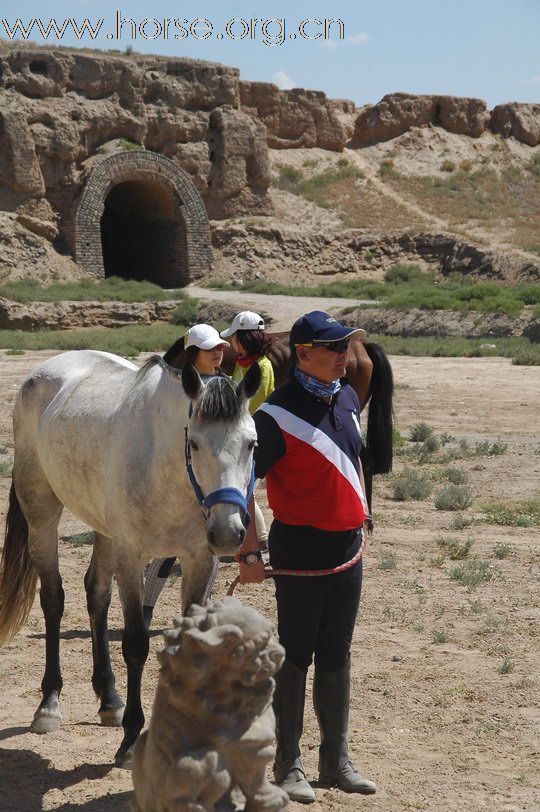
[141, 217]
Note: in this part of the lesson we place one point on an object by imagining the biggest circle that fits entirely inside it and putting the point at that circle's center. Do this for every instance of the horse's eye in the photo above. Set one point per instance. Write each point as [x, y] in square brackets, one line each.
[194, 446]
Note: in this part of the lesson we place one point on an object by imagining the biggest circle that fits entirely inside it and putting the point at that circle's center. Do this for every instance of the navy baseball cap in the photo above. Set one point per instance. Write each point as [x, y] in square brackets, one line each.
[317, 327]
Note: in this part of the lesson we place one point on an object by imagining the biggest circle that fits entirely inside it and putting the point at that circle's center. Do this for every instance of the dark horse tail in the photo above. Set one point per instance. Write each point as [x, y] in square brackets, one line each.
[18, 576]
[380, 420]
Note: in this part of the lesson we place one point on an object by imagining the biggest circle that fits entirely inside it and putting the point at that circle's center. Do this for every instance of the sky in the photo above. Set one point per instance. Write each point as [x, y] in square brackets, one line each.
[489, 49]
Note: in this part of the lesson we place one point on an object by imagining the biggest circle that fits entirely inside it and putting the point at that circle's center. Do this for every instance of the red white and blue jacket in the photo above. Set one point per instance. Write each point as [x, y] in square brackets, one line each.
[309, 452]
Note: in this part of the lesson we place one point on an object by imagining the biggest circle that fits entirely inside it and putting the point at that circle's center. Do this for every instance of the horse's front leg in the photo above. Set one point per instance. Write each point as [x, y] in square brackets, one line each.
[199, 572]
[98, 583]
[129, 574]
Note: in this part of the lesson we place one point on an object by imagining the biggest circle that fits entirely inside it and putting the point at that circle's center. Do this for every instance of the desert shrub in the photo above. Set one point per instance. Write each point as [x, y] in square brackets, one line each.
[457, 476]
[403, 272]
[387, 560]
[420, 432]
[289, 175]
[472, 572]
[398, 440]
[6, 469]
[186, 312]
[439, 636]
[453, 497]
[127, 341]
[343, 162]
[386, 168]
[110, 289]
[502, 550]
[448, 166]
[516, 514]
[446, 439]
[526, 358]
[430, 445]
[534, 165]
[486, 449]
[411, 485]
[506, 666]
[455, 549]
[126, 145]
[460, 522]
[466, 165]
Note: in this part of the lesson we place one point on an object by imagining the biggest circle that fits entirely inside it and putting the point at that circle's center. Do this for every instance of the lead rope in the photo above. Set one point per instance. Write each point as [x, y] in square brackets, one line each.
[271, 573]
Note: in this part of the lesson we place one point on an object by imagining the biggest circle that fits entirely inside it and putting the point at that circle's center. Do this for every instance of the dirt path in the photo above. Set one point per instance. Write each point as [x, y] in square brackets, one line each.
[284, 310]
[436, 720]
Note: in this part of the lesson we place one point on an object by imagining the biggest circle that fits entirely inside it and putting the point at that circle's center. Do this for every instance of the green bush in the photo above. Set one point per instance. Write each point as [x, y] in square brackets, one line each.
[460, 522]
[439, 636]
[457, 476]
[472, 573]
[420, 432]
[502, 550]
[455, 549]
[125, 341]
[453, 497]
[289, 174]
[429, 446]
[186, 312]
[111, 289]
[411, 485]
[448, 166]
[513, 514]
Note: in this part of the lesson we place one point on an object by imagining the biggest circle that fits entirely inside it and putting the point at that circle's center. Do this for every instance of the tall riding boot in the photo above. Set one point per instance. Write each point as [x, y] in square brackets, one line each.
[289, 699]
[331, 698]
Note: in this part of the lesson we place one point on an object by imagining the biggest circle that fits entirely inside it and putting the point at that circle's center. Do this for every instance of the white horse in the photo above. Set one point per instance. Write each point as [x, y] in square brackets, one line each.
[107, 440]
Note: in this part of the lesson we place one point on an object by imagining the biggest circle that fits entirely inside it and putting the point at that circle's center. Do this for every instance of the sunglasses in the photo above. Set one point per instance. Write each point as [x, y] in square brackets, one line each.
[331, 346]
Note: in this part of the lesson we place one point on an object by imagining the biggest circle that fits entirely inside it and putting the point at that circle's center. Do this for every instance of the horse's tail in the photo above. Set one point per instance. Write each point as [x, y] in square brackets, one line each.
[380, 419]
[18, 576]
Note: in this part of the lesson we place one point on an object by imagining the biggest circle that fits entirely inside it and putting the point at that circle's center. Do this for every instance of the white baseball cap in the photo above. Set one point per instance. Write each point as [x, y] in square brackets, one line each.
[204, 337]
[246, 320]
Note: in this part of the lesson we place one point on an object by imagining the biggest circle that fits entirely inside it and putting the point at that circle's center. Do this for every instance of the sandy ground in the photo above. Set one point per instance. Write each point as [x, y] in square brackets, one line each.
[436, 725]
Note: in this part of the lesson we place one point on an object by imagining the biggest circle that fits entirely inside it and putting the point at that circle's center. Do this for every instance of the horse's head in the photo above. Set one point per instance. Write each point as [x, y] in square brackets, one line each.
[222, 436]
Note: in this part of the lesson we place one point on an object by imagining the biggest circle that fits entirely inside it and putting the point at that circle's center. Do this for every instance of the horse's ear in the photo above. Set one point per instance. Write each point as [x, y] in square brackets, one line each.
[191, 381]
[249, 383]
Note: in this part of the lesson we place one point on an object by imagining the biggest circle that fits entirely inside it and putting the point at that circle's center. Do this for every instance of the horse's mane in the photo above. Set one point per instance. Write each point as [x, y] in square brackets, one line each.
[218, 400]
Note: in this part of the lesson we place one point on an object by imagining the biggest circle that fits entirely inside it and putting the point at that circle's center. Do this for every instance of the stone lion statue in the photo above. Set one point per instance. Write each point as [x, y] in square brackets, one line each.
[211, 734]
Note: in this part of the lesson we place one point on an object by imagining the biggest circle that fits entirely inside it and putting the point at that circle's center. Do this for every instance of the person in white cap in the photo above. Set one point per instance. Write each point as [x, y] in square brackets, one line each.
[250, 342]
[203, 346]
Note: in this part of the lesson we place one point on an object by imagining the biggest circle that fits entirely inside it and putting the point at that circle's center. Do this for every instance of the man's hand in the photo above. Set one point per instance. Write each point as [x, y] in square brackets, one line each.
[250, 573]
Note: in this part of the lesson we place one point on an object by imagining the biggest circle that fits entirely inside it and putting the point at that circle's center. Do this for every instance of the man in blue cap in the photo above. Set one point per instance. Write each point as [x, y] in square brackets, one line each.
[308, 450]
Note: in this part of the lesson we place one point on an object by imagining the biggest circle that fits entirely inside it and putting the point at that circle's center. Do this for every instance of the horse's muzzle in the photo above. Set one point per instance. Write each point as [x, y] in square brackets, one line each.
[225, 539]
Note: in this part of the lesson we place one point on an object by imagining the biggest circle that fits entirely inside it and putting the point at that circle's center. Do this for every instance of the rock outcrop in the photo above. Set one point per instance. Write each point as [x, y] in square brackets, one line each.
[299, 118]
[396, 113]
[295, 253]
[440, 323]
[521, 121]
[75, 315]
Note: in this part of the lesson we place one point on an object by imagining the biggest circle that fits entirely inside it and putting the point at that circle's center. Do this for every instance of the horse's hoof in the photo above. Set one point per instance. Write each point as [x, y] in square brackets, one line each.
[112, 717]
[124, 758]
[45, 721]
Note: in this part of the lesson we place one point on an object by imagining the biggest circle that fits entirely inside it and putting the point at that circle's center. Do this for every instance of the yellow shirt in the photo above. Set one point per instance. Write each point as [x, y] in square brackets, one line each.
[267, 381]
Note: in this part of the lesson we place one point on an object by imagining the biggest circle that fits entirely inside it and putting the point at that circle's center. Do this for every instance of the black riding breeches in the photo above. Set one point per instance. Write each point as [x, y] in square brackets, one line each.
[316, 614]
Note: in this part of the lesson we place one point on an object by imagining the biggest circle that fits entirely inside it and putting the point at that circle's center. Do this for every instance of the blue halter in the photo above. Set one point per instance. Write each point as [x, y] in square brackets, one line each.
[223, 495]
